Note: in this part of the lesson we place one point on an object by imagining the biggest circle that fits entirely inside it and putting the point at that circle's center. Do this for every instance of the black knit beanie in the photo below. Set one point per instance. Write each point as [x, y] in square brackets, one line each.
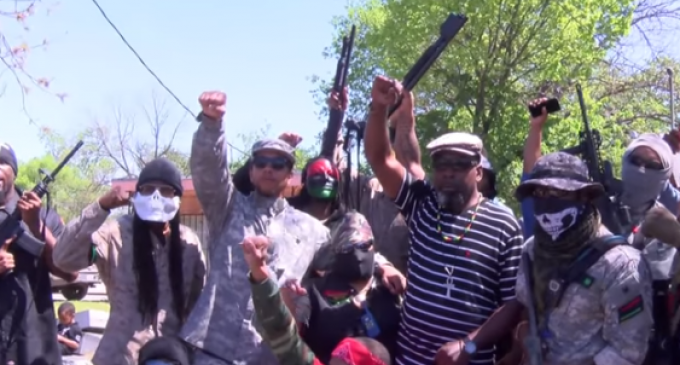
[8, 157]
[163, 170]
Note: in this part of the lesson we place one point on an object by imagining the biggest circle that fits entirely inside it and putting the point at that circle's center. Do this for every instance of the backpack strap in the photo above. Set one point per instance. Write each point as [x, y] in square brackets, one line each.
[576, 272]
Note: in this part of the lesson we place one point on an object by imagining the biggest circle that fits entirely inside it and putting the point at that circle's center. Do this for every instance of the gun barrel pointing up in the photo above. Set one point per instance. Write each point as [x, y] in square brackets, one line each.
[671, 89]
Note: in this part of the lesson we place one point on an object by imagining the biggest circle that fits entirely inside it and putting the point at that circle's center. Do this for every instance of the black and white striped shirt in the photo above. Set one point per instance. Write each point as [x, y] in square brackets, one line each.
[482, 269]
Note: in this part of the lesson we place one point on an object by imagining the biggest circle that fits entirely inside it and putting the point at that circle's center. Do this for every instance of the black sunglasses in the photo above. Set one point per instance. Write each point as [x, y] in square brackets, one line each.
[454, 164]
[276, 163]
[643, 162]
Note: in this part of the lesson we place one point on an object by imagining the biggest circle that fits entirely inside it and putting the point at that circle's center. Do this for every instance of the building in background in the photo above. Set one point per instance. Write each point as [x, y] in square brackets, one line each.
[190, 211]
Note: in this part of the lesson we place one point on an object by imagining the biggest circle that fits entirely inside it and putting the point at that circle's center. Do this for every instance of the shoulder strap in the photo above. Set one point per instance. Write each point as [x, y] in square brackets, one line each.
[577, 270]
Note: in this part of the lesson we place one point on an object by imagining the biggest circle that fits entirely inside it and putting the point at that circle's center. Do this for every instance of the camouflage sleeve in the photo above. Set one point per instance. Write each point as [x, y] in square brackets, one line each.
[278, 326]
[627, 304]
[210, 172]
[84, 241]
[197, 270]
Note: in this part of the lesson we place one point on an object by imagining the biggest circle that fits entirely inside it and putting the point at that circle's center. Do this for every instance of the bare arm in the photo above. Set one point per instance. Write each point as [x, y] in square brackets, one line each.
[532, 145]
[210, 171]
[379, 153]
[406, 144]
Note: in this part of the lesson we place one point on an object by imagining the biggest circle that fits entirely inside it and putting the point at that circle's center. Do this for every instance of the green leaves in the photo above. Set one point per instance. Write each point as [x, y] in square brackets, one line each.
[509, 52]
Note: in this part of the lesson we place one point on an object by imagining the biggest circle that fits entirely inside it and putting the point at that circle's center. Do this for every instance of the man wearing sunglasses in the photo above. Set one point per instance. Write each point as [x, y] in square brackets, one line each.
[464, 249]
[221, 327]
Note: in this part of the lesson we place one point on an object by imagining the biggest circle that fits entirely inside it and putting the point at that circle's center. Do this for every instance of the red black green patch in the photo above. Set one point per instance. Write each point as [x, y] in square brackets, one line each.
[337, 296]
[631, 309]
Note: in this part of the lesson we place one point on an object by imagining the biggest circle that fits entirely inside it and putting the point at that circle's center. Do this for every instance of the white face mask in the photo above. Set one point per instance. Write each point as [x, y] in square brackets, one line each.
[155, 208]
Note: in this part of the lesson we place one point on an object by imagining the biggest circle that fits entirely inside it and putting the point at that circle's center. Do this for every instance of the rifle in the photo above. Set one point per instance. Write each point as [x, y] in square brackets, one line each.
[671, 88]
[10, 226]
[332, 132]
[615, 215]
[447, 31]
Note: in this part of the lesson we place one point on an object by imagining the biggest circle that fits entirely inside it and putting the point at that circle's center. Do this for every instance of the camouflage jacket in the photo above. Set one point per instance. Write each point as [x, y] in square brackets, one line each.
[278, 326]
[110, 245]
[604, 320]
[221, 325]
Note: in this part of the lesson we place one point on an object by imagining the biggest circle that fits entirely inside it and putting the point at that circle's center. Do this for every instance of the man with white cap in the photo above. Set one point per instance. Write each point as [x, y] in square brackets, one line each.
[465, 250]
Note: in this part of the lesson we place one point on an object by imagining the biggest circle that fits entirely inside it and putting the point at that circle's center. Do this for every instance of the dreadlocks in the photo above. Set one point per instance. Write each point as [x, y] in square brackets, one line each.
[145, 268]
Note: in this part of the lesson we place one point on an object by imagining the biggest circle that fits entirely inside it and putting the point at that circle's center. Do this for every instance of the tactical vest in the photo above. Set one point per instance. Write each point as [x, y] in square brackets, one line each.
[330, 322]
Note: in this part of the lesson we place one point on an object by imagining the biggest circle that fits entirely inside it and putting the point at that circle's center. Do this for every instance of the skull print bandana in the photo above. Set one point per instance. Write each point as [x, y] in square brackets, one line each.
[556, 216]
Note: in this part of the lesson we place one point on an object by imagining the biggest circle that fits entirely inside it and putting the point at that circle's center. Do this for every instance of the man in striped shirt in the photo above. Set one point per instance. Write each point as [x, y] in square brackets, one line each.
[464, 253]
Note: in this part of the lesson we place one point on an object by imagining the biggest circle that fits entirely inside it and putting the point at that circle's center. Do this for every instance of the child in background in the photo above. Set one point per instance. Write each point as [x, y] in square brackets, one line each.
[69, 333]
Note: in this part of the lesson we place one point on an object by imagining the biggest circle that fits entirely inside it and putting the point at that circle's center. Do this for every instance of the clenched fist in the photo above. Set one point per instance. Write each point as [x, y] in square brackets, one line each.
[291, 138]
[385, 92]
[213, 104]
[114, 198]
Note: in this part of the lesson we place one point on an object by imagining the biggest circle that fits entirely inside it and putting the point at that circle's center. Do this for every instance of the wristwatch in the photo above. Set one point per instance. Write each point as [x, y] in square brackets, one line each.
[469, 346]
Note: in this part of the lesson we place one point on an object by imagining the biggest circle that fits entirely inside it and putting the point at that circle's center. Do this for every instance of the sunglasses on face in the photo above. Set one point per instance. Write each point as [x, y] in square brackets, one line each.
[640, 161]
[349, 247]
[276, 163]
[454, 164]
[165, 191]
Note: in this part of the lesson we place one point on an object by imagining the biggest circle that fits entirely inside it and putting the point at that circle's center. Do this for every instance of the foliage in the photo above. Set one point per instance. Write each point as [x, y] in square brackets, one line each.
[508, 53]
[68, 194]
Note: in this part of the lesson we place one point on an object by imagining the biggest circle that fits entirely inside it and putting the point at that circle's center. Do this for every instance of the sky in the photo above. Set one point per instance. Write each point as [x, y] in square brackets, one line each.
[262, 53]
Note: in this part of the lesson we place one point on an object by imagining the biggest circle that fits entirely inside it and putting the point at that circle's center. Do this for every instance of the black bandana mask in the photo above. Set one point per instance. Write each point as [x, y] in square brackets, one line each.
[353, 266]
[555, 216]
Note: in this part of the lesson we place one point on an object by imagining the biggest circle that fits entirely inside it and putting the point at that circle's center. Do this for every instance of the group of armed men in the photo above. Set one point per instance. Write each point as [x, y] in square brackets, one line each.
[425, 269]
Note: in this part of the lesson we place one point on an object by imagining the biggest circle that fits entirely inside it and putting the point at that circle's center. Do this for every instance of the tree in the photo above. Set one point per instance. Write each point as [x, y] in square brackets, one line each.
[131, 138]
[69, 194]
[14, 49]
[508, 53]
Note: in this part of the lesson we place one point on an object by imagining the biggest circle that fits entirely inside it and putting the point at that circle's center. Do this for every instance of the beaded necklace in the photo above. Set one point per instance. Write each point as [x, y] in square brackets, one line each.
[465, 231]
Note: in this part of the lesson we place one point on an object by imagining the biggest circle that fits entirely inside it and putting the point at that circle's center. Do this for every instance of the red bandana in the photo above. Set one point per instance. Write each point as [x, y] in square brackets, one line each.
[352, 352]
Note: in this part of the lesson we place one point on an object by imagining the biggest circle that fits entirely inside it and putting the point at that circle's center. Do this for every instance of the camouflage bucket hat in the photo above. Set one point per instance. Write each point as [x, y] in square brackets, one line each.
[275, 145]
[560, 171]
[351, 232]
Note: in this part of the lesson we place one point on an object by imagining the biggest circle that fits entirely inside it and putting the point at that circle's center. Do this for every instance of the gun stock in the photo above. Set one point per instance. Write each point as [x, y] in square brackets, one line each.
[335, 118]
[447, 31]
[10, 227]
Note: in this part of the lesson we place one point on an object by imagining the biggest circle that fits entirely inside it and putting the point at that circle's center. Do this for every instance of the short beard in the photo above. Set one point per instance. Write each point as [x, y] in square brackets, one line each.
[453, 202]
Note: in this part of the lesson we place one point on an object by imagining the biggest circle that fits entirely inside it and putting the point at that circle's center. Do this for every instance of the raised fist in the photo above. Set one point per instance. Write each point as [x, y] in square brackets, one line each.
[291, 138]
[6, 262]
[385, 91]
[114, 198]
[213, 104]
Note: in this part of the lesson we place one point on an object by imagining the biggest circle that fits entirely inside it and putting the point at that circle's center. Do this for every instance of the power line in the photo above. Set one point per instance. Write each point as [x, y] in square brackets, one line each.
[141, 60]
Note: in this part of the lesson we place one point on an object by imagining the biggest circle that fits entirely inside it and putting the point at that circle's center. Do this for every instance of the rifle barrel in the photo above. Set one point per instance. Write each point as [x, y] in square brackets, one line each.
[66, 159]
[671, 87]
[447, 31]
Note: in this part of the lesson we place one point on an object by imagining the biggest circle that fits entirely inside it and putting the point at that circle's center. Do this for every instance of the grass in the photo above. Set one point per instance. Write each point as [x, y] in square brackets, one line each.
[83, 306]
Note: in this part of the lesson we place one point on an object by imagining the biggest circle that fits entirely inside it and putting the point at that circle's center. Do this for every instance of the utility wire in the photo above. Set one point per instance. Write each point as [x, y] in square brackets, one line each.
[141, 60]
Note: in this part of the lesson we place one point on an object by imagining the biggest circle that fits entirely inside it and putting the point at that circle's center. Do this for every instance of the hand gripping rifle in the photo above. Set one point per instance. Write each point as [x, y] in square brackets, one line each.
[10, 225]
[336, 116]
[447, 31]
[615, 215]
